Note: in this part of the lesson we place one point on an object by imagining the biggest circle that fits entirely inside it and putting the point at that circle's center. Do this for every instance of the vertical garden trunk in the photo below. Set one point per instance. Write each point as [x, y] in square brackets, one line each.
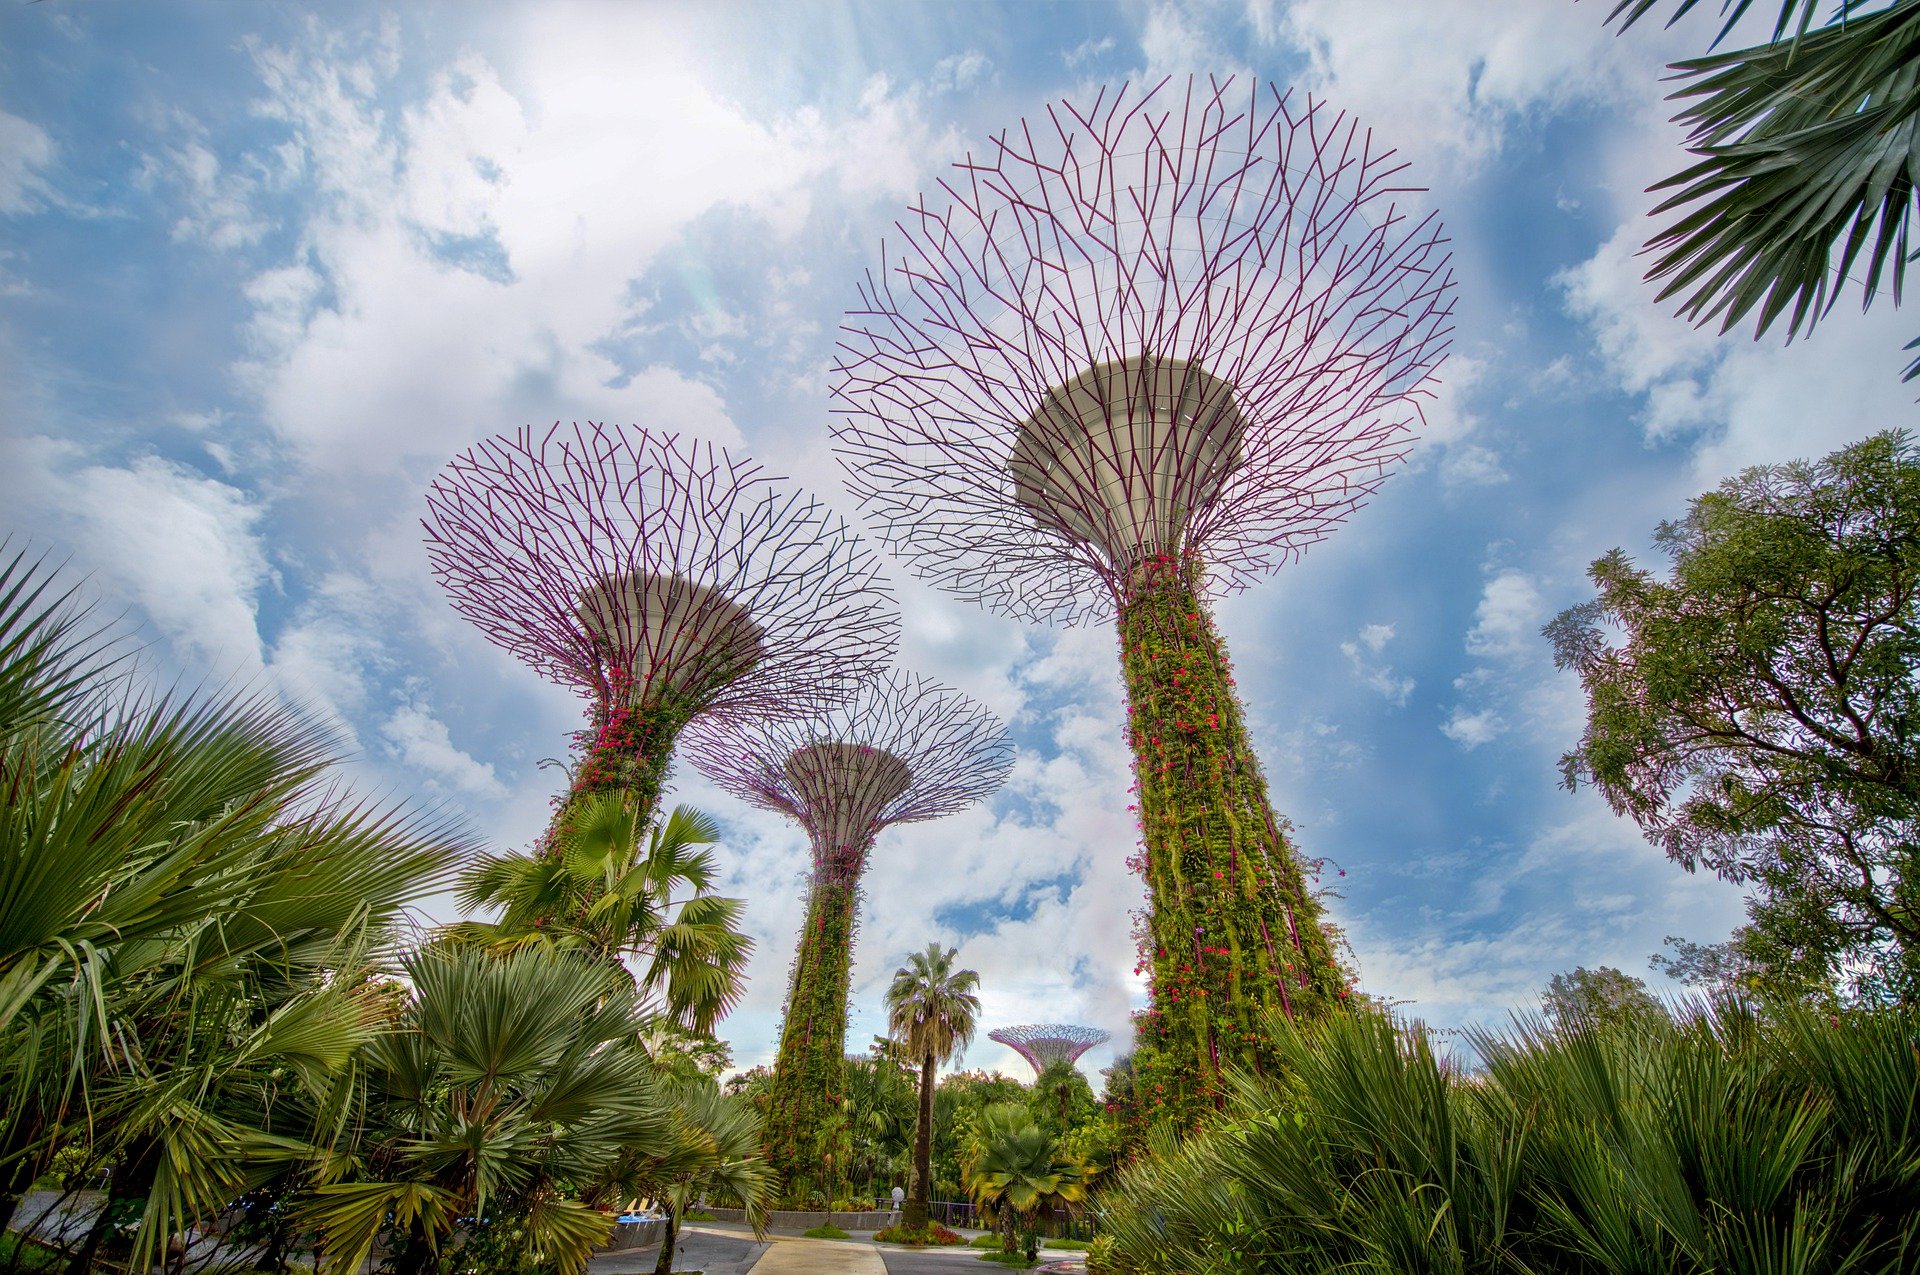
[920, 1190]
[627, 748]
[809, 1073]
[1232, 930]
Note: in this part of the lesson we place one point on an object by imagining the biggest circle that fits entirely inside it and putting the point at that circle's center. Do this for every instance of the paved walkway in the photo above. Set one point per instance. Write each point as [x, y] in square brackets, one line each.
[792, 1255]
[716, 1251]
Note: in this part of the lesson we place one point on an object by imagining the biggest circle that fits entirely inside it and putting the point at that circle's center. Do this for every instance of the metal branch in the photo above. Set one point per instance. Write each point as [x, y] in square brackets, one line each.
[629, 564]
[1044, 1043]
[1194, 323]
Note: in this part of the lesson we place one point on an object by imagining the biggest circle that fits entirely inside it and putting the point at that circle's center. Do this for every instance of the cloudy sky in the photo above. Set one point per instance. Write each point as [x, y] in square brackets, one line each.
[264, 269]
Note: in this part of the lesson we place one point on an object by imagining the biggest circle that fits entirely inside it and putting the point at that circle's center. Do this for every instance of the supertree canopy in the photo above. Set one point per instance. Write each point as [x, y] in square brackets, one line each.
[664, 580]
[1043, 1043]
[1145, 349]
[904, 749]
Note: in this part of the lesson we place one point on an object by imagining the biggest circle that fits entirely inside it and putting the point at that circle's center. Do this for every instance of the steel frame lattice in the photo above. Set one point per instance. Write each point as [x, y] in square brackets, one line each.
[1044, 1043]
[1143, 351]
[904, 749]
[1229, 250]
[762, 600]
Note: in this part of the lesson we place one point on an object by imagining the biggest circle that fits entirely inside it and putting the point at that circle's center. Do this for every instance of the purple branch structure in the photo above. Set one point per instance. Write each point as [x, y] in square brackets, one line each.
[1044, 1043]
[904, 749]
[1144, 349]
[664, 580]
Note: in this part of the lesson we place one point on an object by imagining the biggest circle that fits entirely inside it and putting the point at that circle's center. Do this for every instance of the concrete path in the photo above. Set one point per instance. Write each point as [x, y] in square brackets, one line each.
[715, 1251]
[799, 1256]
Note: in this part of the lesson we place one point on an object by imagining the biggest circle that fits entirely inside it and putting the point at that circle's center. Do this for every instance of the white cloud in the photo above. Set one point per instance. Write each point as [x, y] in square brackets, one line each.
[1376, 674]
[421, 740]
[26, 152]
[1472, 729]
[183, 546]
[1506, 624]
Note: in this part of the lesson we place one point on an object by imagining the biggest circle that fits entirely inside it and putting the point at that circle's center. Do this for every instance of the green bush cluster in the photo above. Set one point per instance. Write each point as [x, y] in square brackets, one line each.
[1729, 1140]
[1233, 933]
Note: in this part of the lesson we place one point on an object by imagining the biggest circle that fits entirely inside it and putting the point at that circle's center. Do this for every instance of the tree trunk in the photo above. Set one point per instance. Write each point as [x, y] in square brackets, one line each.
[1234, 931]
[920, 1190]
[130, 1185]
[664, 1266]
[13, 1185]
[416, 1256]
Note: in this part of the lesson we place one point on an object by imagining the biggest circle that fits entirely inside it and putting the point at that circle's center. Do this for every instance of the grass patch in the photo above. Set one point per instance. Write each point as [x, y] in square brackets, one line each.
[934, 1234]
[1008, 1259]
[29, 1254]
[1069, 1246]
[989, 1240]
[697, 1215]
[825, 1233]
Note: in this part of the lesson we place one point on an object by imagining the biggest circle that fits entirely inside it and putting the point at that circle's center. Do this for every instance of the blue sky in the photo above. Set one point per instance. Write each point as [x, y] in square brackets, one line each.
[263, 269]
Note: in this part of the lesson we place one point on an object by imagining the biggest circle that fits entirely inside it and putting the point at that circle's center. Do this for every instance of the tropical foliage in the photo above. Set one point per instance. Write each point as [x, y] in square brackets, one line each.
[190, 913]
[932, 1010]
[1808, 149]
[610, 888]
[1014, 1168]
[208, 1003]
[1232, 933]
[1731, 1140]
[1754, 716]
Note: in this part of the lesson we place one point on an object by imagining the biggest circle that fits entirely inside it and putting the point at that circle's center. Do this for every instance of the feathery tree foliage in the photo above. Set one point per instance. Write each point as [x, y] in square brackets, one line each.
[1729, 1140]
[616, 892]
[932, 1009]
[190, 911]
[1758, 715]
[1809, 150]
[1600, 997]
[1014, 1168]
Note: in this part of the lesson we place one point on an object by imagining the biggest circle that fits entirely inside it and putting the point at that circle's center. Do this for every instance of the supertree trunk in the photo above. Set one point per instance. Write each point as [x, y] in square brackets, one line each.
[809, 1072]
[627, 749]
[1232, 932]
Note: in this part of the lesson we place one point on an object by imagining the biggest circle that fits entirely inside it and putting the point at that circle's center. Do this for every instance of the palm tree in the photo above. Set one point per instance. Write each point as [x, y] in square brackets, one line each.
[714, 1146]
[189, 909]
[931, 1009]
[1808, 144]
[605, 889]
[507, 1077]
[1014, 1168]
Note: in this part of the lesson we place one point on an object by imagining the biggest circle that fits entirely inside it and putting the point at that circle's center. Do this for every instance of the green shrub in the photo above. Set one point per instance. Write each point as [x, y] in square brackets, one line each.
[825, 1233]
[1100, 1259]
[1020, 1260]
[698, 1215]
[989, 1240]
[1732, 1139]
[935, 1234]
[1069, 1246]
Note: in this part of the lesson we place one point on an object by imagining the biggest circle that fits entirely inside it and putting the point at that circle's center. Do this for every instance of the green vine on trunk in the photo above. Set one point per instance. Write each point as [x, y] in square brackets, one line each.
[804, 1119]
[1231, 930]
[628, 747]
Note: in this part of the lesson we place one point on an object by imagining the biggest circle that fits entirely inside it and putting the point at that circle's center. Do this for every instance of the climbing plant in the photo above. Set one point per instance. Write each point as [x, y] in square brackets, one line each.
[809, 1074]
[1232, 930]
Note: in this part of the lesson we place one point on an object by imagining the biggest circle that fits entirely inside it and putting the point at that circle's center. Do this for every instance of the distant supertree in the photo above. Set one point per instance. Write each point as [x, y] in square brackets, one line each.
[663, 580]
[904, 749]
[1043, 1043]
[1142, 352]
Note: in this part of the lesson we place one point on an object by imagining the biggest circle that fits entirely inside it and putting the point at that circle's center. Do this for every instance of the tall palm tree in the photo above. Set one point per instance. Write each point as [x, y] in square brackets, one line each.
[617, 892]
[931, 1011]
[714, 1147]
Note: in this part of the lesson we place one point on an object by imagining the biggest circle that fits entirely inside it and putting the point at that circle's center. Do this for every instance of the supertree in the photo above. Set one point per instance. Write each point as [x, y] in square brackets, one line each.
[904, 749]
[1043, 1043]
[1138, 354]
[664, 580]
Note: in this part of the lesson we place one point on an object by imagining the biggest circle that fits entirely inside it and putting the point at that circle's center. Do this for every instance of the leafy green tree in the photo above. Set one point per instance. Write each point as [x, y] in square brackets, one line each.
[958, 1099]
[1809, 147]
[931, 1010]
[1603, 998]
[1759, 713]
[608, 889]
[510, 1082]
[1062, 1098]
[1014, 1168]
[190, 908]
[880, 1109]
